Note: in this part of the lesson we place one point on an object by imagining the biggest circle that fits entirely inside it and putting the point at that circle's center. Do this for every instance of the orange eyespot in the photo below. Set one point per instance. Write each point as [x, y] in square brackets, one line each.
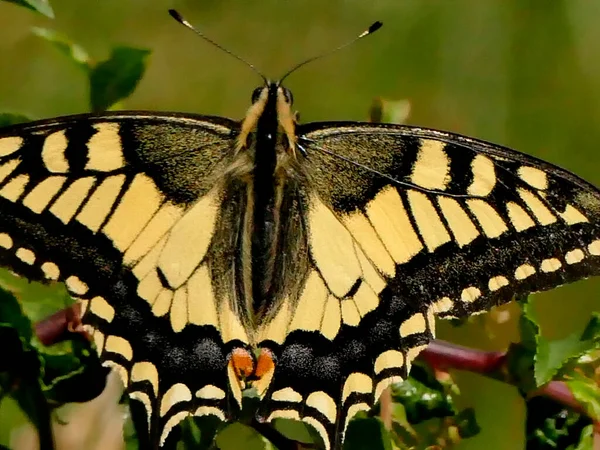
[242, 362]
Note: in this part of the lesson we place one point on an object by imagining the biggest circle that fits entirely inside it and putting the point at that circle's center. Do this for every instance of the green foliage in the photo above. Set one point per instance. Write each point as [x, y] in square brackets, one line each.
[41, 6]
[117, 77]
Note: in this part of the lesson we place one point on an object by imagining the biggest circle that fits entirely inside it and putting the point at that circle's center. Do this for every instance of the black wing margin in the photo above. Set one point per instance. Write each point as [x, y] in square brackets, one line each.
[403, 224]
[105, 204]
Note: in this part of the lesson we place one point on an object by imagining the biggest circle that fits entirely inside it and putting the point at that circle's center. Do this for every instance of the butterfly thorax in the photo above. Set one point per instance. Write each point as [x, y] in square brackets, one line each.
[271, 145]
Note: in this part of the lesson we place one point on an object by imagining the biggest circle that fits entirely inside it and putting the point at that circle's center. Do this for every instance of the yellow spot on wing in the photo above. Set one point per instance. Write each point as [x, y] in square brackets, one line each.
[53, 152]
[7, 168]
[99, 204]
[470, 294]
[105, 151]
[432, 229]
[284, 414]
[179, 309]
[524, 271]
[25, 255]
[202, 307]
[9, 145]
[311, 306]
[5, 241]
[117, 344]
[287, 395]
[162, 304]
[414, 324]
[324, 404]
[357, 382]
[332, 249]
[350, 314]
[461, 225]
[572, 216]
[519, 217]
[443, 305]
[67, 204]
[189, 239]
[210, 392]
[145, 371]
[163, 221]
[390, 219]
[43, 193]
[101, 308]
[365, 299]
[149, 287]
[550, 265]
[594, 247]
[390, 359]
[51, 270]
[148, 262]
[497, 282]
[135, 209]
[533, 177]
[177, 393]
[14, 188]
[366, 236]
[539, 210]
[210, 411]
[98, 341]
[484, 176]
[76, 286]
[574, 256]
[490, 221]
[370, 275]
[332, 318]
[431, 170]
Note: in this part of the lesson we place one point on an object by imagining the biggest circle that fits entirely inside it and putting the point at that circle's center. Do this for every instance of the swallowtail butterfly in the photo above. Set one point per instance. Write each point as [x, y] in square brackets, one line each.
[306, 261]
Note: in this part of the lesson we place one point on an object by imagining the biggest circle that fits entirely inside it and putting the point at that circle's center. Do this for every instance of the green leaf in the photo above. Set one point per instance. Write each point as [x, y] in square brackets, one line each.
[552, 355]
[73, 51]
[389, 111]
[422, 396]
[7, 119]
[366, 434]
[237, 435]
[41, 6]
[587, 392]
[586, 440]
[12, 315]
[551, 425]
[116, 78]
[294, 430]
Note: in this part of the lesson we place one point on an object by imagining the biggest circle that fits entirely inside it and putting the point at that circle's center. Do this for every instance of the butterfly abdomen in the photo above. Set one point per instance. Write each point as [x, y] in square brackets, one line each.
[264, 203]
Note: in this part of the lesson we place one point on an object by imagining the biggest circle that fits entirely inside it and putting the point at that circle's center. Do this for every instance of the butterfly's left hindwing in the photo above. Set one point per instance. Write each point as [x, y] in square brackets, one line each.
[127, 211]
[403, 224]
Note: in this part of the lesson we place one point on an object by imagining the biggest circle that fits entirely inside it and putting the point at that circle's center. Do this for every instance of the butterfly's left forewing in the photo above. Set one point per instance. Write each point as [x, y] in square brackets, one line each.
[402, 224]
[127, 211]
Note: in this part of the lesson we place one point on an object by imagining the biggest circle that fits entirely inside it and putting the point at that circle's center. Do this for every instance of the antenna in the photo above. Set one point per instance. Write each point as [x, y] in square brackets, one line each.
[372, 29]
[179, 18]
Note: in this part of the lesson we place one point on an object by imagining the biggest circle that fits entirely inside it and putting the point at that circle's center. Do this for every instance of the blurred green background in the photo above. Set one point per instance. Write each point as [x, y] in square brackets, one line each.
[521, 73]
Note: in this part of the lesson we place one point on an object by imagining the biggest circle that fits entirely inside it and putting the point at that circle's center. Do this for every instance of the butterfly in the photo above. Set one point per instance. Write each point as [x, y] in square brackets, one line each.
[307, 261]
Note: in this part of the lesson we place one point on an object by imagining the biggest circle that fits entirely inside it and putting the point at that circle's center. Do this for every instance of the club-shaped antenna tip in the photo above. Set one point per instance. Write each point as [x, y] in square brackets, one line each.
[175, 15]
[376, 26]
